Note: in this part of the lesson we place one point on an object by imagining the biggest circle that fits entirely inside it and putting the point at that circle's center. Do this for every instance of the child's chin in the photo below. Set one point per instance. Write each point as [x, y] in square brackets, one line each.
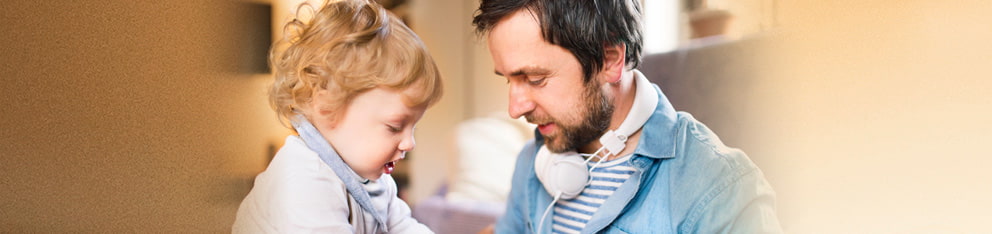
[373, 177]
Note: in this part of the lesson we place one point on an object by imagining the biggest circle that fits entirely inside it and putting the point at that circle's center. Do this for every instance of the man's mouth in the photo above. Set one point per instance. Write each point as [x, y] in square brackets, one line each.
[546, 128]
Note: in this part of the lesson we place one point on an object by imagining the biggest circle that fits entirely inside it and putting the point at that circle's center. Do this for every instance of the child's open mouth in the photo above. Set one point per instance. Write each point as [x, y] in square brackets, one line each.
[389, 167]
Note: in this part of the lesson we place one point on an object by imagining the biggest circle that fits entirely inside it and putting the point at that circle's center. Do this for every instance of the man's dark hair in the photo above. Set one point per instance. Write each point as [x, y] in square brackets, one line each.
[583, 27]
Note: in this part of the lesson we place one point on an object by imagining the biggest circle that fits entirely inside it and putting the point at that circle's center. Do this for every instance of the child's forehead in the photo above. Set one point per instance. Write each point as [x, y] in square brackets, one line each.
[396, 103]
[414, 95]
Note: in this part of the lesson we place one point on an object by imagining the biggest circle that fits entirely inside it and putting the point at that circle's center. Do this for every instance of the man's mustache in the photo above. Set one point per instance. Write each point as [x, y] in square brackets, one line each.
[538, 119]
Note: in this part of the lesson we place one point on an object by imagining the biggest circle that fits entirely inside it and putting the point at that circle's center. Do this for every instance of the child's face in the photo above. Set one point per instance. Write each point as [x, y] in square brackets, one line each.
[374, 133]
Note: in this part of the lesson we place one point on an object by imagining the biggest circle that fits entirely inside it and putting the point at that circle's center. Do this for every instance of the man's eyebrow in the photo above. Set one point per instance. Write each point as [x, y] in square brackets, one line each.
[529, 71]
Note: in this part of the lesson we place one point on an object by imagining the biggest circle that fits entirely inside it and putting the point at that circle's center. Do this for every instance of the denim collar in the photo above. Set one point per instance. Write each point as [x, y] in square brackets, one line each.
[658, 135]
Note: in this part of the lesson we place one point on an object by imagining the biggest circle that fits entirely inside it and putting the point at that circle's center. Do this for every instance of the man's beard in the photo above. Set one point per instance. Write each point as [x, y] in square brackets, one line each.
[596, 114]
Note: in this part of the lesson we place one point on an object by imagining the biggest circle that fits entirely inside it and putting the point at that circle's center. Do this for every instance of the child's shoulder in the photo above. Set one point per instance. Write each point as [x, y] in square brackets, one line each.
[296, 163]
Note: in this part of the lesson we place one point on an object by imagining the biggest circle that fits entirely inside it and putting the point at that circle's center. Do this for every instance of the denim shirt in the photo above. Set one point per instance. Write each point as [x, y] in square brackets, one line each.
[686, 181]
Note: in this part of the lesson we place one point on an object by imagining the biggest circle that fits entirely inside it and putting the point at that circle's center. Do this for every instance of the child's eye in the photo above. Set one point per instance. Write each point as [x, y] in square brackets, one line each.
[393, 129]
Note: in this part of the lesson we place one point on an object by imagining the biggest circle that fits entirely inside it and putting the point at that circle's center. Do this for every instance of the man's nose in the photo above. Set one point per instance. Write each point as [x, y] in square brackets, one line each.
[521, 101]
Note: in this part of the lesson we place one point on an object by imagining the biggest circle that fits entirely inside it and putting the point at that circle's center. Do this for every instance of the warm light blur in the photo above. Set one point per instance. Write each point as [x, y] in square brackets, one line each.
[867, 116]
[874, 116]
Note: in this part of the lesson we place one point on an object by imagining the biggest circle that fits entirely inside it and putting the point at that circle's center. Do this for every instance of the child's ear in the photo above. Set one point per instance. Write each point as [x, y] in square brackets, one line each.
[319, 111]
[614, 61]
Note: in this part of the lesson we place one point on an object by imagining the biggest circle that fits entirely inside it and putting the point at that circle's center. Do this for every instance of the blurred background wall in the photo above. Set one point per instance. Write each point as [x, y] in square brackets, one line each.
[876, 116]
[119, 116]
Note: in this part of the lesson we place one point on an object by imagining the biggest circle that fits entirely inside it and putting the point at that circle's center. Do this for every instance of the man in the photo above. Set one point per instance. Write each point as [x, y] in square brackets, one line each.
[571, 69]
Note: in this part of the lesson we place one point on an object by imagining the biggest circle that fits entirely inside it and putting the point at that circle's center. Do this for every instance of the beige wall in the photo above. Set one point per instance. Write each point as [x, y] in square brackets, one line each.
[127, 117]
[748, 16]
[471, 89]
[440, 26]
[875, 119]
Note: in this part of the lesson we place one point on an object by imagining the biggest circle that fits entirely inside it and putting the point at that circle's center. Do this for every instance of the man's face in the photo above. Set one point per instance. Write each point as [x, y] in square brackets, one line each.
[546, 84]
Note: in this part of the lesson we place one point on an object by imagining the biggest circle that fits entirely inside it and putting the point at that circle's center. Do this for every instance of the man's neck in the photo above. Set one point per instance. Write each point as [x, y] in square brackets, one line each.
[623, 101]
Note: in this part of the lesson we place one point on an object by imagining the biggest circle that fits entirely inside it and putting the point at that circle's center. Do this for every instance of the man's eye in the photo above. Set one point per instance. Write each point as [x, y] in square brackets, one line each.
[538, 81]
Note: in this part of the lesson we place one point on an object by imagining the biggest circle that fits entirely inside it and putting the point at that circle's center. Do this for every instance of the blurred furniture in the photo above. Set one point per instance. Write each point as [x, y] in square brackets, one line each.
[475, 196]
[713, 79]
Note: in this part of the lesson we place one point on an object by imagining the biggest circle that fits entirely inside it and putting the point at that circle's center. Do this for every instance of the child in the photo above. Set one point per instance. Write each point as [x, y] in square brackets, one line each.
[353, 82]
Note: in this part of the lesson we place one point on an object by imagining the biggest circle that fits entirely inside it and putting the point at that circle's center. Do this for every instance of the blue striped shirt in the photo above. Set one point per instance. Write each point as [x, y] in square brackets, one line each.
[570, 216]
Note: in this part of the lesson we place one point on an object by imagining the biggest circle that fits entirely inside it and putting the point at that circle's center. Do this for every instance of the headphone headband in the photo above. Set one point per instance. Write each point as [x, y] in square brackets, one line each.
[645, 100]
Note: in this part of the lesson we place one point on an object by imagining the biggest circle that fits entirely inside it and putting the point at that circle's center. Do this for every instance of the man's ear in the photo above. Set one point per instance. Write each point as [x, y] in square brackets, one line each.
[614, 61]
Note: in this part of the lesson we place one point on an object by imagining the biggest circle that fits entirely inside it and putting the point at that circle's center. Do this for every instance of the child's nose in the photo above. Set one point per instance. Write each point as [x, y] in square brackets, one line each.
[407, 144]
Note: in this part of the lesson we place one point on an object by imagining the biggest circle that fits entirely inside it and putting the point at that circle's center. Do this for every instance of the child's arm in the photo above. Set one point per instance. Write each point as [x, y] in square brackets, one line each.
[400, 220]
[296, 193]
[310, 204]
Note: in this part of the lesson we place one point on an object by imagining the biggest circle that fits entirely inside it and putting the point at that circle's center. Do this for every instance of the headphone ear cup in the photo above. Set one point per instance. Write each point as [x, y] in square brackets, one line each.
[569, 175]
[564, 174]
[541, 163]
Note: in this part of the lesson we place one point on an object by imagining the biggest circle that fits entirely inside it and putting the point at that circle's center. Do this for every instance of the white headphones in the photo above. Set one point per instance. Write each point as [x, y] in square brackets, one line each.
[565, 174]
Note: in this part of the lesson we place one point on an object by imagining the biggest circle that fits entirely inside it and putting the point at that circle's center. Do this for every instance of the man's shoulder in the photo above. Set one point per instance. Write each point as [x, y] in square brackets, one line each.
[703, 165]
[699, 149]
[703, 168]
[713, 185]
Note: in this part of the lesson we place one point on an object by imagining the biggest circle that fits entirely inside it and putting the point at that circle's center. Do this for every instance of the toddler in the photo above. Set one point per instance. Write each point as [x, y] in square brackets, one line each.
[352, 82]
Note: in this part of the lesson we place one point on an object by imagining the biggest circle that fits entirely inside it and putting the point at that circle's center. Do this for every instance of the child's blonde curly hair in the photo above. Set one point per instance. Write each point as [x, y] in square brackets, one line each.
[348, 47]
